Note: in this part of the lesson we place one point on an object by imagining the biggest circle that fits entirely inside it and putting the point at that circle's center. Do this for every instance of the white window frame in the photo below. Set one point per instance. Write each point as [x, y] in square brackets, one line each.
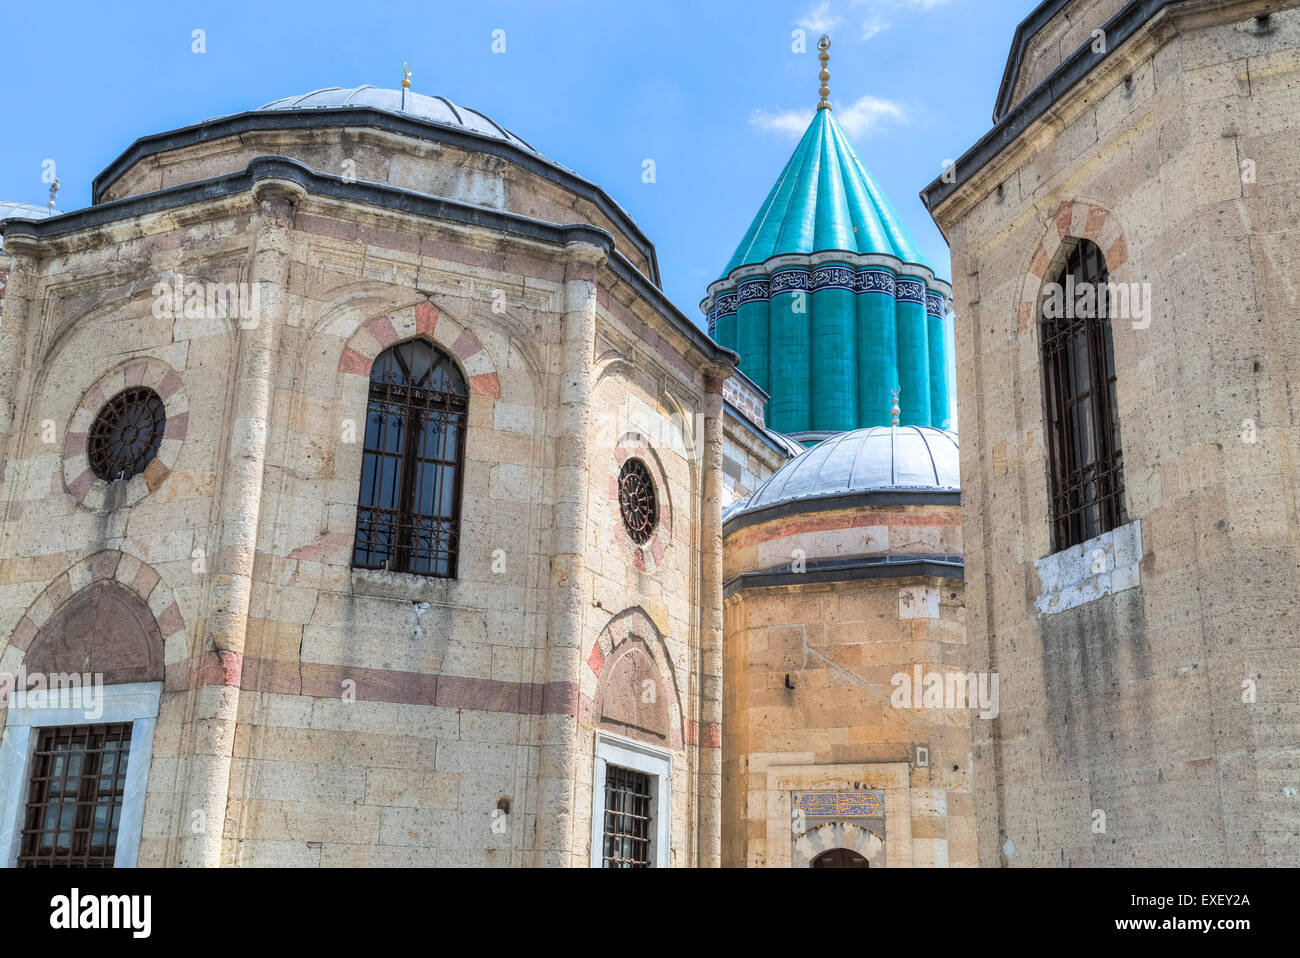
[137, 703]
[655, 762]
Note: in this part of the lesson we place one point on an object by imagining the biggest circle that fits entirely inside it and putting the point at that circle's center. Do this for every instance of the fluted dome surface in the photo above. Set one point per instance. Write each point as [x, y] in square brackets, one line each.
[825, 199]
[879, 458]
[830, 302]
[435, 109]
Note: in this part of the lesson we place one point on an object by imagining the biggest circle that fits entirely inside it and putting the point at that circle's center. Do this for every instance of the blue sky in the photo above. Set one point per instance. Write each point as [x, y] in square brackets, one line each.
[712, 92]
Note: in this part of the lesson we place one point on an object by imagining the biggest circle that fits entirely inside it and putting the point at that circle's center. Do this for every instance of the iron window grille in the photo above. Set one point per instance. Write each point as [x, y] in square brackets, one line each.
[636, 501]
[408, 511]
[1086, 462]
[74, 804]
[126, 434]
[627, 819]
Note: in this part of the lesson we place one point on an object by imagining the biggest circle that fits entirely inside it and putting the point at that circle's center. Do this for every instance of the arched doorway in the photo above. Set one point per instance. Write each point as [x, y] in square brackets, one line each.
[839, 858]
[851, 837]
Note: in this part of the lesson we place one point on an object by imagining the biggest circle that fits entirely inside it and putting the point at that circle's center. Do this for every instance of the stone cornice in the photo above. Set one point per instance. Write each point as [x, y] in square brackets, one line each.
[290, 174]
[851, 500]
[849, 570]
[367, 117]
[1015, 135]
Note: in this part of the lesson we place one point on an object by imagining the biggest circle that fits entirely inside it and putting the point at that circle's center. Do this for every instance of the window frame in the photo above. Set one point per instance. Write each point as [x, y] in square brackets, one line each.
[408, 460]
[1058, 355]
[135, 703]
[627, 753]
[92, 742]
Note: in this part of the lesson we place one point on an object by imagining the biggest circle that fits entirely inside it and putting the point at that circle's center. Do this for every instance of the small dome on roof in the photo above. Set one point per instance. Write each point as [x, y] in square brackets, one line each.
[26, 211]
[434, 109]
[875, 459]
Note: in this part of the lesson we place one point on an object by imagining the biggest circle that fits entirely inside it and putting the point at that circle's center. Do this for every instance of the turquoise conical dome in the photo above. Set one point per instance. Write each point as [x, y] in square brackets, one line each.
[825, 200]
[830, 302]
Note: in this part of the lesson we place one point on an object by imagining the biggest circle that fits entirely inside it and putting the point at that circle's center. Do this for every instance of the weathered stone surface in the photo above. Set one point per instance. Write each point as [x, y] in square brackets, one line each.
[1152, 700]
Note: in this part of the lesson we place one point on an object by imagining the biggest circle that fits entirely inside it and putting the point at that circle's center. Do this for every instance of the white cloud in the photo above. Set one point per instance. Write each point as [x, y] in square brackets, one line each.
[874, 21]
[900, 4]
[861, 118]
[867, 114]
[819, 19]
[786, 122]
[873, 25]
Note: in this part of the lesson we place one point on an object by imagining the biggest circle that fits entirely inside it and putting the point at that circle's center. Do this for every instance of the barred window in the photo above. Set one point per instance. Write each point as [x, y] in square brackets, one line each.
[74, 803]
[1087, 466]
[627, 832]
[408, 511]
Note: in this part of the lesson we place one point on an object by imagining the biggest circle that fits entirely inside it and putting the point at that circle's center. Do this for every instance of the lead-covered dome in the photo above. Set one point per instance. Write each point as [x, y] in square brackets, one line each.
[386, 144]
[876, 459]
[26, 211]
[434, 109]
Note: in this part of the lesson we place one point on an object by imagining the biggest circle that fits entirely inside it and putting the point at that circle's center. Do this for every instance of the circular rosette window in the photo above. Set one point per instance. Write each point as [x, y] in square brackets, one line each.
[637, 502]
[639, 494]
[125, 435]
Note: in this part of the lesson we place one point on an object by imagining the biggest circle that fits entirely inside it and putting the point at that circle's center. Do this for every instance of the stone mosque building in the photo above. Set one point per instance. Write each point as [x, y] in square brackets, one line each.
[354, 445]
[316, 452]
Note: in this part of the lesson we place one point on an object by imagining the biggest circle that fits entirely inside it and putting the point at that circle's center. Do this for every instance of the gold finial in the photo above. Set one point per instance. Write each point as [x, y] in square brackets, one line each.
[824, 45]
[894, 411]
[406, 78]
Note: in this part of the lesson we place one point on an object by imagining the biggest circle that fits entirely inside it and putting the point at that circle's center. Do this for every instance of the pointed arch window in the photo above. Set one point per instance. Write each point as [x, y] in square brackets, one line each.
[1087, 464]
[408, 512]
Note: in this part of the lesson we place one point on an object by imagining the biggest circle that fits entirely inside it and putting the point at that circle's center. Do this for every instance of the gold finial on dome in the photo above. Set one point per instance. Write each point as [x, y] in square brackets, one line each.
[894, 411]
[406, 78]
[824, 45]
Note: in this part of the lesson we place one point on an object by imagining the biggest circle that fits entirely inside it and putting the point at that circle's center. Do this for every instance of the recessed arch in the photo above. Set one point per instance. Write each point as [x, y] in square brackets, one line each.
[104, 629]
[1074, 218]
[138, 601]
[631, 647]
[378, 333]
[831, 835]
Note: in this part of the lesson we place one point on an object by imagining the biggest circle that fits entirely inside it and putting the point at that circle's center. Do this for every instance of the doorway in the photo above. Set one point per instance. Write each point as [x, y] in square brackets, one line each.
[840, 858]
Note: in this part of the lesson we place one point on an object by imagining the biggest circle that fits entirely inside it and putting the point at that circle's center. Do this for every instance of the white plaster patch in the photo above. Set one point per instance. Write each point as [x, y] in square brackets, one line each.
[512, 417]
[1102, 566]
[918, 602]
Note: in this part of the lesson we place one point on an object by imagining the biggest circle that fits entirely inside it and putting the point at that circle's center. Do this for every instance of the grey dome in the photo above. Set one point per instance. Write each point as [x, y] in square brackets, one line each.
[26, 211]
[434, 109]
[875, 459]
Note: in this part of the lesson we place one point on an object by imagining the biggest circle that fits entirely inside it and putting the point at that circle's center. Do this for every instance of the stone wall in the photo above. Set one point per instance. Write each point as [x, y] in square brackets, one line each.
[1060, 36]
[1148, 724]
[318, 714]
[812, 660]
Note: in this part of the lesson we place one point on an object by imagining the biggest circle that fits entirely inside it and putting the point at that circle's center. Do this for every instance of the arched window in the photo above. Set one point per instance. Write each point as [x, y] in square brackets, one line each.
[408, 512]
[1087, 466]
